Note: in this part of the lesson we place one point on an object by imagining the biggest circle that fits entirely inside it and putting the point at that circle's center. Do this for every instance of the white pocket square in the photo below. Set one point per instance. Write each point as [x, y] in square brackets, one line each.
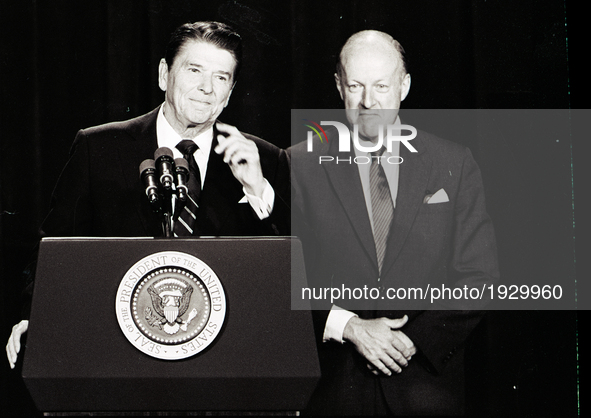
[438, 197]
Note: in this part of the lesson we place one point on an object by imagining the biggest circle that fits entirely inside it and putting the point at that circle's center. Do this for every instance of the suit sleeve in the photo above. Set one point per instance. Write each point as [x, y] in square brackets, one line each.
[279, 220]
[306, 233]
[70, 211]
[439, 334]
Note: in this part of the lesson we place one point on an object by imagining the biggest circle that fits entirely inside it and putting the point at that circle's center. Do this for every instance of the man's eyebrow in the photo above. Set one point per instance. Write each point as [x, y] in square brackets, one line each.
[223, 72]
[380, 81]
[193, 64]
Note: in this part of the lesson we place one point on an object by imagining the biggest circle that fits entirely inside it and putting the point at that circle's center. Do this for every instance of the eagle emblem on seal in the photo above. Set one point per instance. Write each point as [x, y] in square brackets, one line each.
[171, 298]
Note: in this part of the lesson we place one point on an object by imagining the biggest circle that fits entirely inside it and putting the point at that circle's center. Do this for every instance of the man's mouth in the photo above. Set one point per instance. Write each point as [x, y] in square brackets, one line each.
[201, 102]
[367, 114]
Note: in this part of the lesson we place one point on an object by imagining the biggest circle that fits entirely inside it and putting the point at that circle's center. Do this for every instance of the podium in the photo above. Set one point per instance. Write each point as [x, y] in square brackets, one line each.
[77, 357]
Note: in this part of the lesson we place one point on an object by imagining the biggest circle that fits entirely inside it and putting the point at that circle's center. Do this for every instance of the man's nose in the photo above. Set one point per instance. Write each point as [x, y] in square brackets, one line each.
[367, 100]
[206, 85]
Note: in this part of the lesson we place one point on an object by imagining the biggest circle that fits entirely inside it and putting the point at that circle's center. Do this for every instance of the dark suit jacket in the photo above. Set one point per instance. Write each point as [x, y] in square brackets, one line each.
[448, 243]
[99, 192]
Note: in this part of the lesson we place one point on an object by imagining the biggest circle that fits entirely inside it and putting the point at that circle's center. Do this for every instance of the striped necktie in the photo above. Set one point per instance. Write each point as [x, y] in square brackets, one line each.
[185, 224]
[381, 205]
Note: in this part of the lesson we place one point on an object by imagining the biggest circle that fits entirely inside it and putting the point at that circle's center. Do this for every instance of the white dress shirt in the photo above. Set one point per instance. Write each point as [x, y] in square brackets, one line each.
[168, 137]
[338, 317]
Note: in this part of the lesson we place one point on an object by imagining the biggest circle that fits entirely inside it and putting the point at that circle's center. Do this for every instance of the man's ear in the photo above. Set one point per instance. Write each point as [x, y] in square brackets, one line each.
[229, 95]
[163, 74]
[405, 87]
[337, 79]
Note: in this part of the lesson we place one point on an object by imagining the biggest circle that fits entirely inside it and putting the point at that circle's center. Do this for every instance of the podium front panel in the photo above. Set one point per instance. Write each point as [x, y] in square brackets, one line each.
[78, 359]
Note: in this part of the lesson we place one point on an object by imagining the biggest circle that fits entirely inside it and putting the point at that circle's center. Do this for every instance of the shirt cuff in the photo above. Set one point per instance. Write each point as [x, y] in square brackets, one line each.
[264, 206]
[335, 324]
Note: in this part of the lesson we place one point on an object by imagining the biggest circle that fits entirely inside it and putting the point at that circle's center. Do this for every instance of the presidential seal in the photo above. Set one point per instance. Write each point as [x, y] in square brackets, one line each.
[170, 305]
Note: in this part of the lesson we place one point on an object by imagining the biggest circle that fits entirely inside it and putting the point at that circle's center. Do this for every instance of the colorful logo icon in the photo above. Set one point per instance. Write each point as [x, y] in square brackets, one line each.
[316, 130]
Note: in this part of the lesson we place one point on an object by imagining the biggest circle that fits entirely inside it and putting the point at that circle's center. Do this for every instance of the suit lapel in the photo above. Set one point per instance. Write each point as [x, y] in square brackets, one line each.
[412, 182]
[131, 152]
[221, 192]
[347, 186]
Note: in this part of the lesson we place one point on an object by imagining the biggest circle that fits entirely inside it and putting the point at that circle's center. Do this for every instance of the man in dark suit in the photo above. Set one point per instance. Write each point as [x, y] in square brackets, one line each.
[389, 225]
[241, 183]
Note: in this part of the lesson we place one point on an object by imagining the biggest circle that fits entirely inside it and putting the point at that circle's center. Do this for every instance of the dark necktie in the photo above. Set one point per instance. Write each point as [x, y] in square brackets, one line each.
[381, 205]
[185, 224]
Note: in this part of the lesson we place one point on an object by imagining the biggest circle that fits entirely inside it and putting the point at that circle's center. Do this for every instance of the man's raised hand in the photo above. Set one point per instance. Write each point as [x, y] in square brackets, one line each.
[242, 155]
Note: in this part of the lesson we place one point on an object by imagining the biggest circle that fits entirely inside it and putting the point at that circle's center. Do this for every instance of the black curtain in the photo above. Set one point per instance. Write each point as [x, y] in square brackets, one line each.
[68, 64]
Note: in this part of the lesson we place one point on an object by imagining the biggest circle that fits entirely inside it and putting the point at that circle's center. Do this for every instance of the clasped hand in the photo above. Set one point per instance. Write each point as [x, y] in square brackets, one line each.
[386, 348]
[242, 155]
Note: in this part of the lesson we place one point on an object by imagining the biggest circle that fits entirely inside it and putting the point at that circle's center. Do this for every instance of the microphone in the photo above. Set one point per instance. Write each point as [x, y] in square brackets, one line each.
[148, 176]
[182, 177]
[165, 162]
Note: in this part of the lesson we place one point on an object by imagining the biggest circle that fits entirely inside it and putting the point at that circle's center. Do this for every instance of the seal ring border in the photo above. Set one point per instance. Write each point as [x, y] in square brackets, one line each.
[134, 334]
[185, 275]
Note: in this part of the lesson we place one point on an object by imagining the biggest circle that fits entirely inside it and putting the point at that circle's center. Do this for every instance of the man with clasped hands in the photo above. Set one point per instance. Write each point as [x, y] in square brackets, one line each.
[384, 226]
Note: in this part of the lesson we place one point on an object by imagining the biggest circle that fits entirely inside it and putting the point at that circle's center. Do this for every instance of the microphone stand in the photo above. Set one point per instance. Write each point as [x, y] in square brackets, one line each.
[167, 221]
[165, 163]
[158, 177]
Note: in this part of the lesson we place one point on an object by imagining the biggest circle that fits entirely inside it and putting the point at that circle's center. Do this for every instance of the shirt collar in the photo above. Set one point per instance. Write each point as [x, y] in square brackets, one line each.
[168, 137]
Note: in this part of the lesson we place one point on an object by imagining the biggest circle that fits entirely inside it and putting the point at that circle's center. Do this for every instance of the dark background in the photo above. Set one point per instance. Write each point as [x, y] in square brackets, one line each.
[68, 64]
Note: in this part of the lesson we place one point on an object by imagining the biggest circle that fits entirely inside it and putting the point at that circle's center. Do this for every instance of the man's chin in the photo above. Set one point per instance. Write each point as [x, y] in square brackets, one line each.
[202, 118]
[369, 133]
